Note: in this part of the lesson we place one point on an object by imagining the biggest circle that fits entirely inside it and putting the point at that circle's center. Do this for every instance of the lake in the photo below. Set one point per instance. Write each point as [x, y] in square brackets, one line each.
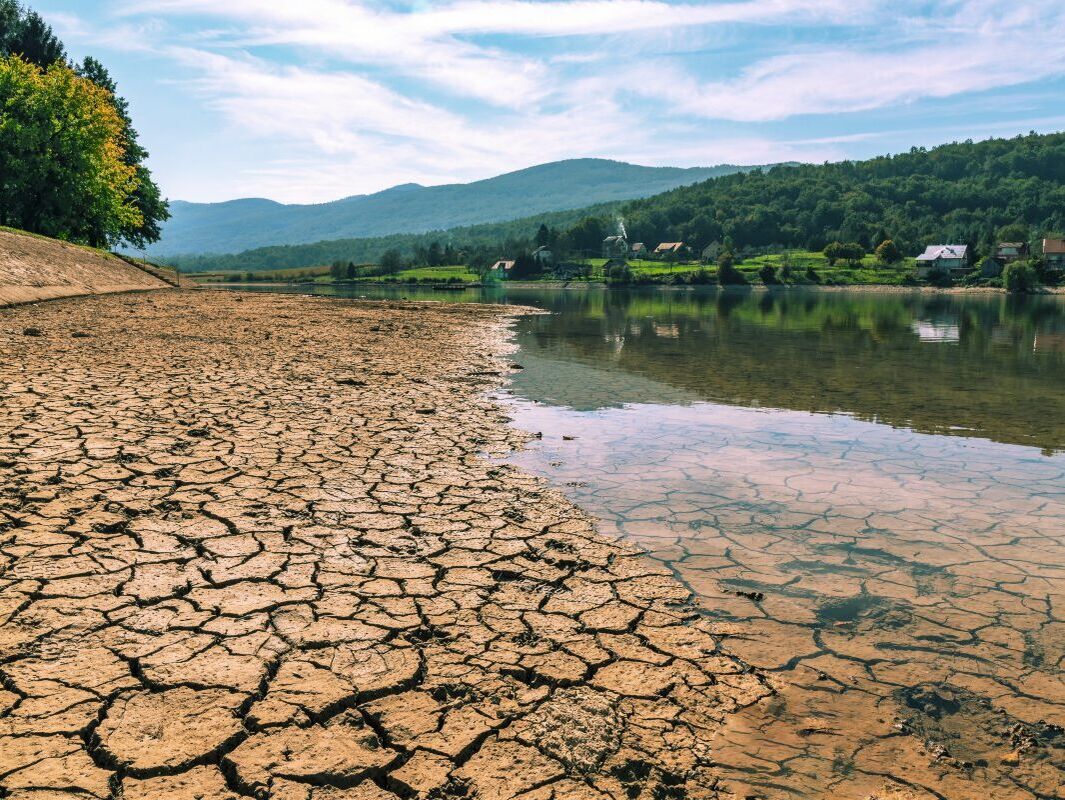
[866, 490]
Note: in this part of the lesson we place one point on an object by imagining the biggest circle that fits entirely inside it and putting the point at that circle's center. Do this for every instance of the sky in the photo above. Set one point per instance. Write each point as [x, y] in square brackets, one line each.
[308, 101]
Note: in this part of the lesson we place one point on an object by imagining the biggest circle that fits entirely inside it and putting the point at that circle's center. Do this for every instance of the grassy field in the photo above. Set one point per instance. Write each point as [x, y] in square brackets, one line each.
[868, 271]
[443, 274]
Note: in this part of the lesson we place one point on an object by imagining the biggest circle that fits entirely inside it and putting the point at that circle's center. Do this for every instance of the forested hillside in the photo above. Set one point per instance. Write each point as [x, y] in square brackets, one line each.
[488, 241]
[240, 225]
[957, 193]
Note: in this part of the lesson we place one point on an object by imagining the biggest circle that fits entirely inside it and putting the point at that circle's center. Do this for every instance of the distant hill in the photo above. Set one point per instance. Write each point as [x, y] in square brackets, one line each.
[240, 225]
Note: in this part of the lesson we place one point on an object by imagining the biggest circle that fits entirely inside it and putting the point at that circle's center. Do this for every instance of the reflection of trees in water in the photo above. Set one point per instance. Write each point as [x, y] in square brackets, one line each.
[979, 367]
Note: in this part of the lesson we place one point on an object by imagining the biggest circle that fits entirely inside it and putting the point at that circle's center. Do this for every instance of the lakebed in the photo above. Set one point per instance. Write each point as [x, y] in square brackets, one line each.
[252, 546]
[283, 545]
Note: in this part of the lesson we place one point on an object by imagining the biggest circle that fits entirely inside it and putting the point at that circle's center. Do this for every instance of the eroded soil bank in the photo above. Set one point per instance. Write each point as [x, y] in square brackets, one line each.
[249, 547]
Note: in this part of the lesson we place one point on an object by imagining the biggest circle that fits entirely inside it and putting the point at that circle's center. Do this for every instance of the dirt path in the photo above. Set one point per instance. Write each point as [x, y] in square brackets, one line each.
[248, 548]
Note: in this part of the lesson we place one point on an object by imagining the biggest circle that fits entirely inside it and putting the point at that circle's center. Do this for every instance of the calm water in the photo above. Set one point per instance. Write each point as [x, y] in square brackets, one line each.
[866, 491]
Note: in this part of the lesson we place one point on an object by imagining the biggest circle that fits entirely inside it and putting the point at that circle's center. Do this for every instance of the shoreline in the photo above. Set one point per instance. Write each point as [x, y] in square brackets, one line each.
[589, 285]
[255, 547]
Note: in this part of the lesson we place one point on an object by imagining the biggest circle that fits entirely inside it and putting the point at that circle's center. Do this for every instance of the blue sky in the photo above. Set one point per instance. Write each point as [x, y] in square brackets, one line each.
[313, 100]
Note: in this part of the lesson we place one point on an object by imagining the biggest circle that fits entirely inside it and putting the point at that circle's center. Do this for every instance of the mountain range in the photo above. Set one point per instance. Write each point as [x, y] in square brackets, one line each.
[237, 225]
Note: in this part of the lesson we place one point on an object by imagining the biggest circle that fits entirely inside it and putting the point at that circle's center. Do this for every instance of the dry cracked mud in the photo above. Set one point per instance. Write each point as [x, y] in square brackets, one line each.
[252, 547]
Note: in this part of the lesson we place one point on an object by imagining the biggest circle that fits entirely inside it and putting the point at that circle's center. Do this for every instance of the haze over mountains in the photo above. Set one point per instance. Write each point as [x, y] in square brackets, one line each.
[239, 225]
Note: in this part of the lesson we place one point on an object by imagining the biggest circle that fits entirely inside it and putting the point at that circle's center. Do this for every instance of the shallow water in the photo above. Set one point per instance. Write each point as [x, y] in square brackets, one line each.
[866, 490]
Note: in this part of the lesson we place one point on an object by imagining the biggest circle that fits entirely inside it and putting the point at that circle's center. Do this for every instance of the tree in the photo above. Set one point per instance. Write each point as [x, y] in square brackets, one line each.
[391, 262]
[888, 253]
[62, 167]
[26, 34]
[852, 252]
[543, 236]
[525, 267]
[1019, 277]
[768, 275]
[727, 274]
[147, 197]
[435, 255]
[1015, 232]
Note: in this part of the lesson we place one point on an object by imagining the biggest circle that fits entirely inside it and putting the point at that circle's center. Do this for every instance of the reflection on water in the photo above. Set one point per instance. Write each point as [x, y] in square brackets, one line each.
[877, 573]
[865, 491]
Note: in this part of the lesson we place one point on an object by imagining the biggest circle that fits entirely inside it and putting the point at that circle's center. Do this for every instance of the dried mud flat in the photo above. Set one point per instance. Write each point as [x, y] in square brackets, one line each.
[250, 547]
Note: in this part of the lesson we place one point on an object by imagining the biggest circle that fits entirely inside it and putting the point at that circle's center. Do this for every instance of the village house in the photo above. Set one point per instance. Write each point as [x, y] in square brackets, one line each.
[639, 250]
[1008, 252]
[669, 249]
[711, 252]
[950, 258]
[1054, 253]
[502, 268]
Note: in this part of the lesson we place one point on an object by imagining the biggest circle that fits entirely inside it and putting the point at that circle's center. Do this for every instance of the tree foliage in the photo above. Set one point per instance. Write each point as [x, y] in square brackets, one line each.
[40, 146]
[62, 171]
[962, 192]
[888, 253]
[1019, 277]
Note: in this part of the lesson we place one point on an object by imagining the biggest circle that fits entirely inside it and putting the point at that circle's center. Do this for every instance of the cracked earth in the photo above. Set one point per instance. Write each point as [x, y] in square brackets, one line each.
[252, 547]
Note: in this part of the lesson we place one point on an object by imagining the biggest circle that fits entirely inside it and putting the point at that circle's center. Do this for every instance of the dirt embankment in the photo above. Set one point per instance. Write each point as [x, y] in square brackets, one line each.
[250, 547]
[34, 268]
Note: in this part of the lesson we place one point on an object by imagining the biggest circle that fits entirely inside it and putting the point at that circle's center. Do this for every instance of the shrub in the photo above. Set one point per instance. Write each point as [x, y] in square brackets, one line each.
[618, 274]
[727, 274]
[768, 275]
[1019, 277]
[940, 278]
[888, 253]
[812, 276]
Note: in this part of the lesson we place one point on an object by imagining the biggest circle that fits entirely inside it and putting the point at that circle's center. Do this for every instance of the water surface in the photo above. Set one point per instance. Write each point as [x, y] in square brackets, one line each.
[866, 491]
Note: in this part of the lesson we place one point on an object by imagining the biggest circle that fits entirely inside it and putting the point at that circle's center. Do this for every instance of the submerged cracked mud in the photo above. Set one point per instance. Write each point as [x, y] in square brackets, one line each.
[238, 558]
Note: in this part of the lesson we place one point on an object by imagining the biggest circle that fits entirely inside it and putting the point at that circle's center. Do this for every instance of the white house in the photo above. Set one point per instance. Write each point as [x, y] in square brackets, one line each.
[950, 258]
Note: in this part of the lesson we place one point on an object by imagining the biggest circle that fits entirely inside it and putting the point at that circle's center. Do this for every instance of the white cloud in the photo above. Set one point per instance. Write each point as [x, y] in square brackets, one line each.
[356, 95]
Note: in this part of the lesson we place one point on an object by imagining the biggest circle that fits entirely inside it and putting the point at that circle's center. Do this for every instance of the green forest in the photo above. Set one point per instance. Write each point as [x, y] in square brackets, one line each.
[962, 193]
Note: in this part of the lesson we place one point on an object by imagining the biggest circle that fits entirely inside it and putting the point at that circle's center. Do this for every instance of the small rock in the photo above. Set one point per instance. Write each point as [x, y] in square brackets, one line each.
[756, 597]
[80, 335]
[32, 332]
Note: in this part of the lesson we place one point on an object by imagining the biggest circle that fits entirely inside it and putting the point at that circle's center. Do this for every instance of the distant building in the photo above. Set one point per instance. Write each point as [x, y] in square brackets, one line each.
[638, 250]
[1008, 252]
[543, 256]
[950, 258]
[502, 267]
[711, 252]
[669, 249]
[615, 247]
[1054, 253]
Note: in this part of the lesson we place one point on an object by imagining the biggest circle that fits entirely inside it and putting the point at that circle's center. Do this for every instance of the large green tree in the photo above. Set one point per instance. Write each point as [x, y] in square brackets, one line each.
[62, 156]
[25, 34]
